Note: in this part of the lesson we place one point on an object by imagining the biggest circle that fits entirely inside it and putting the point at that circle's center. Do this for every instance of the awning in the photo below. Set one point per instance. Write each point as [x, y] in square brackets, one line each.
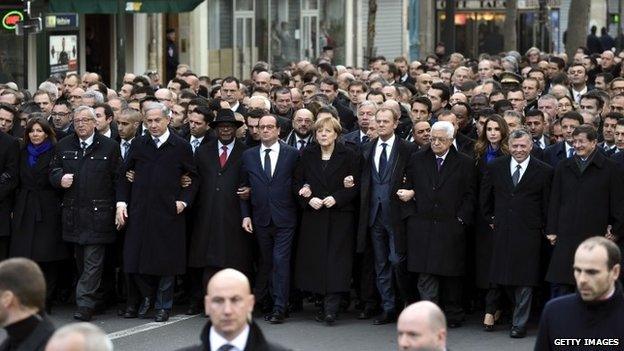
[129, 6]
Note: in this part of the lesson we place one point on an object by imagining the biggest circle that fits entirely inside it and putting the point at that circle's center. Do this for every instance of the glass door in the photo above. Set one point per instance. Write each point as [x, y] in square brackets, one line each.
[245, 52]
[309, 43]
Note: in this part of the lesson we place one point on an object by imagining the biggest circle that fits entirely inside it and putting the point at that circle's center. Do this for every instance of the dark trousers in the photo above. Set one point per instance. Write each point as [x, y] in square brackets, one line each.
[199, 277]
[90, 263]
[159, 287]
[4, 247]
[520, 296]
[364, 277]
[389, 265]
[557, 290]
[331, 303]
[275, 246]
[50, 273]
[444, 291]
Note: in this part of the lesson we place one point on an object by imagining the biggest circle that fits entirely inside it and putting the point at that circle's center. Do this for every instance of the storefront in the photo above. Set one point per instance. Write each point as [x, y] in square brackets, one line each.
[12, 49]
[242, 32]
[479, 25]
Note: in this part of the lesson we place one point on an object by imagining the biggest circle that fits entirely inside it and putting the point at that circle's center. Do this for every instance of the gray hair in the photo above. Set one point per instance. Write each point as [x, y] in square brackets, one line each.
[367, 103]
[49, 88]
[94, 94]
[513, 113]
[518, 134]
[446, 126]
[89, 110]
[164, 110]
[547, 97]
[94, 337]
[267, 102]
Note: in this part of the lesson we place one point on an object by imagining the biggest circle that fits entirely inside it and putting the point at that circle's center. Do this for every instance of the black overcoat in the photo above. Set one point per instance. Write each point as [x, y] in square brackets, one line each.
[324, 256]
[155, 240]
[36, 227]
[9, 168]
[435, 233]
[217, 237]
[582, 205]
[519, 216]
[88, 207]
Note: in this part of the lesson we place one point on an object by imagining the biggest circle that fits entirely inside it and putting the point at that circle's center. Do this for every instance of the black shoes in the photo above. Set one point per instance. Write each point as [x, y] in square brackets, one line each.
[517, 332]
[366, 313]
[276, 317]
[130, 312]
[161, 315]
[454, 325]
[84, 314]
[386, 317]
[193, 309]
[144, 308]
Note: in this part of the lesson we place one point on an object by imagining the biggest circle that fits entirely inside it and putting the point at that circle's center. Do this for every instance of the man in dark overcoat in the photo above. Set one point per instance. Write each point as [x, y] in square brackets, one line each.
[443, 184]
[9, 168]
[515, 191]
[217, 239]
[152, 205]
[85, 166]
[382, 215]
[586, 198]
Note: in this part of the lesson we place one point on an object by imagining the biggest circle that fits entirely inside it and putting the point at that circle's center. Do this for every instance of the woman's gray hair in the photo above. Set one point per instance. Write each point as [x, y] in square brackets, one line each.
[446, 126]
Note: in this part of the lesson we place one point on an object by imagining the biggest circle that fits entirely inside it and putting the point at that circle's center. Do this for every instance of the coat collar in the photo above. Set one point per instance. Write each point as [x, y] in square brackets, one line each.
[255, 340]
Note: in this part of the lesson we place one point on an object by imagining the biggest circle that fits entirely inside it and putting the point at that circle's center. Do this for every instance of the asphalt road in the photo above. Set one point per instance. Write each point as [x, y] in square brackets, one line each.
[300, 332]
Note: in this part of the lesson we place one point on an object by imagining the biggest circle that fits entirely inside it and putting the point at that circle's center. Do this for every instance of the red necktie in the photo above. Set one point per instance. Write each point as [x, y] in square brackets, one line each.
[223, 156]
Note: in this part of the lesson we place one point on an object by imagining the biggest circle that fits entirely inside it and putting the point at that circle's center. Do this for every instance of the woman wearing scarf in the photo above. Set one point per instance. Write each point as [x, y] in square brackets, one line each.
[492, 143]
[36, 226]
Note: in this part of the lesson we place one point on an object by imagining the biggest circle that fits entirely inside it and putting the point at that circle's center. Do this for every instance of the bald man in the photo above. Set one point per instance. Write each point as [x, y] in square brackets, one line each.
[229, 303]
[422, 326]
[79, 337]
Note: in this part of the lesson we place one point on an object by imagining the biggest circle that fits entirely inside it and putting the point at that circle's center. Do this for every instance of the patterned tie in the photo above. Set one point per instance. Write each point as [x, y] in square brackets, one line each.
[515, 177]
[226, 347]
[571, 152]
[267, 163]
[383, 159]
[83, 145]
[223, 156]
[126, 146]
[365, 139]
[156, 141]
[537, 143]
[302, 144]
[195, 145]
[439, 161]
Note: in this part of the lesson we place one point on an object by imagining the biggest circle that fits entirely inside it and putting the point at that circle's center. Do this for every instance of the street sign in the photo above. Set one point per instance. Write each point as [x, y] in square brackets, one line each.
[61, 21]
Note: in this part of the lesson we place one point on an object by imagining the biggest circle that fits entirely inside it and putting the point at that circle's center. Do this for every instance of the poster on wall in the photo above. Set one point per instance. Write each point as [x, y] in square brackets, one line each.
[63, 53]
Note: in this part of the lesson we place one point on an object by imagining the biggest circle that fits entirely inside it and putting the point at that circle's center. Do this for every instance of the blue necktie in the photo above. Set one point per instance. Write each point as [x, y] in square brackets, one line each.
[570, 152]
[383, 159]
[365, 139]
[439, 161]
[267, 163]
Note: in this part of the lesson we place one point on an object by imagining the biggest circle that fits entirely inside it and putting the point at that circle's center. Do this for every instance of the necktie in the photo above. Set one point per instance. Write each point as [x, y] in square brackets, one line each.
[267, 163]
[365, 139]
[302, 144]
[126, 146]
[226, 347]
[571, 152]
[383, 159]
[439, 161]
[515, 177]
[223, 156]
[156, 141]
[195, 144]
[537, 144]
[145, 131]
[83, 145]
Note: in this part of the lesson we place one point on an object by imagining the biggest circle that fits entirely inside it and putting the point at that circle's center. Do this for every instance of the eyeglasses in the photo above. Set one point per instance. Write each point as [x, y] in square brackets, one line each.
[438, 140]
[83, 120]
[59, 114]
[269, 127]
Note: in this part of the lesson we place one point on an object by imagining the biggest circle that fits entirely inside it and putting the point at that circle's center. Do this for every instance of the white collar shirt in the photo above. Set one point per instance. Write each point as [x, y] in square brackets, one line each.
[273, 155]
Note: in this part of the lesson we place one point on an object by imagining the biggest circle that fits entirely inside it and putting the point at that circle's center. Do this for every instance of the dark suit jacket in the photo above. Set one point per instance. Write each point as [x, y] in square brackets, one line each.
[555, 153]
[255, 341]
[465, 145]
[291, 140]
[399, 210]
[348, 120]
[9, 178]
[519, 216]
[272, 200]
[37, 339]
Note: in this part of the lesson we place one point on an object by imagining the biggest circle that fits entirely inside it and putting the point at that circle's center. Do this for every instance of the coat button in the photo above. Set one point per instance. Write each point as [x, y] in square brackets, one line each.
[434, 188]
[95, 209]
[218, 189]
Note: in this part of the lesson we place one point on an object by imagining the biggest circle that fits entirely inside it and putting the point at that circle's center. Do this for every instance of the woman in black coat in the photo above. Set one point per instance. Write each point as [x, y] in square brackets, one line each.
[326, 240]
[492, 143]
[36, 224]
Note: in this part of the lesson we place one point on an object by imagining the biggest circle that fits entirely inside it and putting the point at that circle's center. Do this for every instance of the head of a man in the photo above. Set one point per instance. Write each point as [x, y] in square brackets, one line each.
[269, 129]
[103, 117]
[22, 290]
[442, 135]
[520, 145]
[596, 268]
[365, 112]
[157, 118]
[229, 302]
[387, 120]
[585, 140]
[421, 326]
[128, 123]
[79, 337]
[570, 121]
[446, 115]
[422, 133]
[302, 123]
[8, 116]
[84, 122]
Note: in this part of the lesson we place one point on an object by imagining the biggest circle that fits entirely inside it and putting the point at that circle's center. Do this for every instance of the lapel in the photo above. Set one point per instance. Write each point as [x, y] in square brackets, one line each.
[280, 159]
[431, 167]
[528, 174]
[507, 172]
[256, 157]
[448, 166]
[393, 159]
[561, 153]
[337, 159]
[234, 155]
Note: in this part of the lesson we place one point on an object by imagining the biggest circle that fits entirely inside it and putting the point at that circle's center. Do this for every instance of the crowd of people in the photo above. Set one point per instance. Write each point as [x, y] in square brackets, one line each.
[466, 182]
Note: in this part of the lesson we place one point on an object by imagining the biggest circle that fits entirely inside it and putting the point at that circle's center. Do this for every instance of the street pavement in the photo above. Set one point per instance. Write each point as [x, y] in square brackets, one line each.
[300, 332]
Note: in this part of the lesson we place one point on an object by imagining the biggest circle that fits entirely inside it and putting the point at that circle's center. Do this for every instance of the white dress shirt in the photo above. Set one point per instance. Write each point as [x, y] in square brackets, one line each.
[523, 166]
[239, 342]
[275, 150]
[121, 145]
[235, 106]
[297, 138]
[198, 142]
[89, 141]
[229, 146]
[379, 149]
[577, 94]
[567, 149]
[108, 133]
[542, 142]
[163, 138]
[443, 157]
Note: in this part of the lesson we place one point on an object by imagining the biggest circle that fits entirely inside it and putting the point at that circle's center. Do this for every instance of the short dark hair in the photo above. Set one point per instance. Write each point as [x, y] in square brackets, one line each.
[592, 95]
[535, 113]
[614, 115]
[231, 79]
[330, 81]
[182, 82]
[586, 129]
[446, 93]
[422, 100]
[108, 111]
[9, 108]
[25, 280]
[573, 115]
[557, 60]
[614, 255]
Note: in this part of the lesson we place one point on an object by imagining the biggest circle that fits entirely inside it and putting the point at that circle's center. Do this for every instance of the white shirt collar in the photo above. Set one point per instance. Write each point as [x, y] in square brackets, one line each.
[229, 146]
[235, 106]
[163, 137]
[89, 140]
[523, 165]
[239, 342]
[193, 138]
[443, 157]
[275, 147]
[389, 142]
[108, 133]
[129, 140]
